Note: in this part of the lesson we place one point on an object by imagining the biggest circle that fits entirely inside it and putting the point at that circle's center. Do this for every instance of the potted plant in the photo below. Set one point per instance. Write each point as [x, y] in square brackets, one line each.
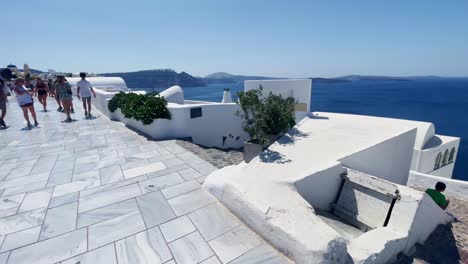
[279, 116]
[252, 115]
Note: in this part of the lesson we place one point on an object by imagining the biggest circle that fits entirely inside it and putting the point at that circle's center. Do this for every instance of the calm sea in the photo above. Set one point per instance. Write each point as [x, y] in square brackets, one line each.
[443, 102]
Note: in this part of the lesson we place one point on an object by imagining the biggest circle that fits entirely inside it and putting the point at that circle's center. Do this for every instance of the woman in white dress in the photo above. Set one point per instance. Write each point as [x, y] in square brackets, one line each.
[25, 101]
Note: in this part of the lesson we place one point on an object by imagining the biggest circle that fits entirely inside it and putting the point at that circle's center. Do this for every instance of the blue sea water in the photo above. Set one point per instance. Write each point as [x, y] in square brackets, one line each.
[443, 102]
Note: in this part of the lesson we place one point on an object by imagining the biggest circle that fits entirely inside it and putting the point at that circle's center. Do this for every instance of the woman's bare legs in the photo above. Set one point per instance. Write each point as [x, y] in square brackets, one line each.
[25, 114]
[66, 106]
[58, 101]
[33, 113]
[43, 101]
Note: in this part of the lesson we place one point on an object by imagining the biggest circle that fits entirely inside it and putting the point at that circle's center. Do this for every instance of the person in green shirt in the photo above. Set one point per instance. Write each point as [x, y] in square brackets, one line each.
[437, 195]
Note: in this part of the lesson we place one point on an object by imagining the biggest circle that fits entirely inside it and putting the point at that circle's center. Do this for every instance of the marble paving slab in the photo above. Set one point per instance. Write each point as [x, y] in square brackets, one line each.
[64, 199]
[109, 197]
[160, 182]
[260, 254]
[213, 221]
[134, 172]
[11, 201]
[35, 200]
[51, 250]
[107, 212]
[177, 228]
[18, 222]
[154, 209]
[59, 220]
[191, 201]
[181, 188]
[21, 238]
[114, 229]
[234, 243]
[102, 255]
[147, 247]
[190, 249]
[76, 186]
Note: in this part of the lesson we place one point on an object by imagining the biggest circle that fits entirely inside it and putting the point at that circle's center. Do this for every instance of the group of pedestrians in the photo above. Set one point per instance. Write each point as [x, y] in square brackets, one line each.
[60, 89]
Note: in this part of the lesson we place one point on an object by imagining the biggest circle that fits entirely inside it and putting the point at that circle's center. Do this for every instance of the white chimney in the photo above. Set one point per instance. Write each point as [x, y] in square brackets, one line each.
[227, 96]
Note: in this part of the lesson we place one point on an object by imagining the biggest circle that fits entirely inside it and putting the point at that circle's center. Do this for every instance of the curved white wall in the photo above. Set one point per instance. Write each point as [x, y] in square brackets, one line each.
[104, 83]
[173, 94]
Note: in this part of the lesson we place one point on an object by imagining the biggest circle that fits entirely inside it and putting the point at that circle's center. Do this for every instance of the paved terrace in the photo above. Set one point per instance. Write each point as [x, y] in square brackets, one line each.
[93, 191]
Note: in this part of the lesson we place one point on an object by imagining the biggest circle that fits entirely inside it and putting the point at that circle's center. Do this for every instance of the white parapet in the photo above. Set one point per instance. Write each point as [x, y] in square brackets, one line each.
[455, 188]
[173, 94]
[208, 124]
[300, 89]
[111, 84]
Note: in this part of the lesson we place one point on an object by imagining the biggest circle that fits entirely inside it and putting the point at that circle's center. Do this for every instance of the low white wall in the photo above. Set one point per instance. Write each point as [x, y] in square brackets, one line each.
[321, 188]
[455, 188]
[300, 89]
[427, 218]
[389, 160]
[103, 83]
[218, 121]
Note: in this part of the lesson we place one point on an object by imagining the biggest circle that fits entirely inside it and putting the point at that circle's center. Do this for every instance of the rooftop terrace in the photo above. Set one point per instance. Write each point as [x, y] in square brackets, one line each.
[94, 191]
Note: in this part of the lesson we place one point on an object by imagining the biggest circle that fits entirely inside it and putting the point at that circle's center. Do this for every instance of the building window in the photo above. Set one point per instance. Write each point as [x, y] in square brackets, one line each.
[437, 161]
[444, 158]
[452, 155]
[196, 112]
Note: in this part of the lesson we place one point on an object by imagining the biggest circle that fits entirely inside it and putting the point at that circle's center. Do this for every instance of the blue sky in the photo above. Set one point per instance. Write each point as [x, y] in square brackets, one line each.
[255, 37]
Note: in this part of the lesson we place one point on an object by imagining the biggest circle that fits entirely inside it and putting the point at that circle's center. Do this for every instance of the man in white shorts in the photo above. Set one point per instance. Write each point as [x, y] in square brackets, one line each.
[84, 91]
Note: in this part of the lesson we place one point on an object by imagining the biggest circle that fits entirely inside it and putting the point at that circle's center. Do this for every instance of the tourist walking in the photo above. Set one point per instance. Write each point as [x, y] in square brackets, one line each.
[3, 101]
[56, 96]
[50, 83]
[42, 90]
[64, 92]
[25, 101]
[84, 91]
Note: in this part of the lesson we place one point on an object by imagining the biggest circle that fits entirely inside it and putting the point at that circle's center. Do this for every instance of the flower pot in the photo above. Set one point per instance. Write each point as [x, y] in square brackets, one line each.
[251, 150]
[271, 139]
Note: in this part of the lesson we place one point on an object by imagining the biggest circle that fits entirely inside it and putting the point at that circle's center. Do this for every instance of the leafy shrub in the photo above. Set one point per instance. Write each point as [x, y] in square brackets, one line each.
[141, 107]
[261, 116]
[279, 114]
[252, 115]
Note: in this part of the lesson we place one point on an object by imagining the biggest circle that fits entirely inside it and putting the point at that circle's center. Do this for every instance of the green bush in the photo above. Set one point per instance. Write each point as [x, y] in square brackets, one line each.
[252, 115]
[141, 107]
[279, 114]
[265, 115]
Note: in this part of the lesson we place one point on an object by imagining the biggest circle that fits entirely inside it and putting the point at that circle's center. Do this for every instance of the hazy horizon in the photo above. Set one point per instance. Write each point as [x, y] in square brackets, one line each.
[263, 38]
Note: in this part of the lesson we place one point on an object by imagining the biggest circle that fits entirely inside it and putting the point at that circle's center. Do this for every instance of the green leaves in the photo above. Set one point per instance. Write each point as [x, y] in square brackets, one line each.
[261, 116]
[279, 114]
[141, 107]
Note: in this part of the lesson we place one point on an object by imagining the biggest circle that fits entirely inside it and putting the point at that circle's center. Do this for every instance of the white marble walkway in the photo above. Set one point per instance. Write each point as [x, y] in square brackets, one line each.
[93, 191]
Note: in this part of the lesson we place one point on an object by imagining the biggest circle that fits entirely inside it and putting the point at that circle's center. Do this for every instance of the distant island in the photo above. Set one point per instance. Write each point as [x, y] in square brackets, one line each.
[157, 78]
[163, 78]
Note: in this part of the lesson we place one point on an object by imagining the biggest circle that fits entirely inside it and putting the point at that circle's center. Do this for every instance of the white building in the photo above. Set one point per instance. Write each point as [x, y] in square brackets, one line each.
[334, 188]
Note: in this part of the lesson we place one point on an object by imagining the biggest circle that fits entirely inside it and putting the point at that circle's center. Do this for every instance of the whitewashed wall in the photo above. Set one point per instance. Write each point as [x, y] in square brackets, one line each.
[217, 121]
[427, 158]
[455, 188]
[300, 89]
[389, 160]
[321, 188]
[113, 83]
